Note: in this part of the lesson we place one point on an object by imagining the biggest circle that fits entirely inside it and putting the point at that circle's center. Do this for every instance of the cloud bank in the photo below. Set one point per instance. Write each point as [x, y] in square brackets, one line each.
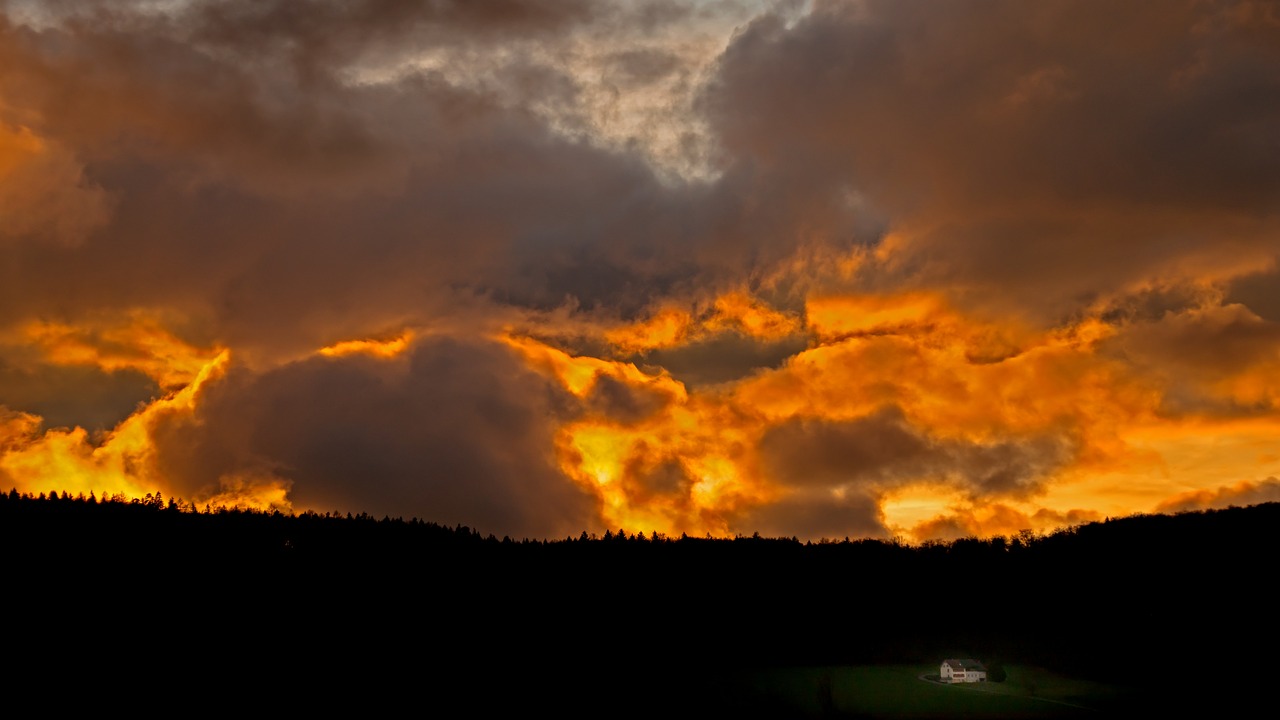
[835, 269]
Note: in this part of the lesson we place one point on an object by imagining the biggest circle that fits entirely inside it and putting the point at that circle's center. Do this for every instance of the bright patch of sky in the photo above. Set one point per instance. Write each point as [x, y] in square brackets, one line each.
[615, 85]
[626, 81]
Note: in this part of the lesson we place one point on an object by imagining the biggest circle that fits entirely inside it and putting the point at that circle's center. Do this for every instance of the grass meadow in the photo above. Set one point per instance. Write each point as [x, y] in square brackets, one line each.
[904, 691]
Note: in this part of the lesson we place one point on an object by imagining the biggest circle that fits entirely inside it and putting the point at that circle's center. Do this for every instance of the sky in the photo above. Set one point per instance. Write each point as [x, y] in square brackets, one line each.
[869, 269]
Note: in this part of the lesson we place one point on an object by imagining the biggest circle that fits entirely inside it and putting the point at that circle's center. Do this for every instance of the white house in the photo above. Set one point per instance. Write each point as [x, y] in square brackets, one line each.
[963, 670]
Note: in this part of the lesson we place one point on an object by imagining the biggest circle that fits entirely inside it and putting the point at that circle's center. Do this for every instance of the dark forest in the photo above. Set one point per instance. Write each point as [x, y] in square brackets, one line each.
[352, 609]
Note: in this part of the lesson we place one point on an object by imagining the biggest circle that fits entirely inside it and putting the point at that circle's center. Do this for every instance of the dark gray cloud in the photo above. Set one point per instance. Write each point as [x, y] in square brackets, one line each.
[1257, 291]
[1195, 351]
[883, 451]
[75, 396]
[1218, 341]
[624, 402]
[1039, 155]
[820, 516]
[721, 358]
[1001, 128]
[833, 474]
[667, 481]
[457, 432]
[283, 211]
[1239, 495]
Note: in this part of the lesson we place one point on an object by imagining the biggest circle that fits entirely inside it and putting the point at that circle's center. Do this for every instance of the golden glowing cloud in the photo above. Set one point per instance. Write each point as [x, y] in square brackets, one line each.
[689, 465]
[118, 463]
[578, 374]
[737, 311]
[665, 328]
[848, 317]
[377, 348]
[676, 468]
[137, 340]
[933, 364]
[929, 513]
[678, 471]
[835, 317]
[740, 311]
[262, 491]
[66, 460]
[658, 456]
[1166, 460]
[16, 428]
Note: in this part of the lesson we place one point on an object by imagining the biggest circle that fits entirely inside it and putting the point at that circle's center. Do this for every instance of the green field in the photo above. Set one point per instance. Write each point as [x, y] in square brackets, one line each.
[898, 691]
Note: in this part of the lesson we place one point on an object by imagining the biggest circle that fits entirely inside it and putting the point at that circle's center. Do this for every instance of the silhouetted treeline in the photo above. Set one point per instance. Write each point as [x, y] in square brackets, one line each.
[1138, 599]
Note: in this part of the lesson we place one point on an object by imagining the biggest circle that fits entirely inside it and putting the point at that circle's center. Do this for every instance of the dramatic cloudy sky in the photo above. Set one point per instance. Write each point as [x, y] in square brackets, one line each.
[904, 268]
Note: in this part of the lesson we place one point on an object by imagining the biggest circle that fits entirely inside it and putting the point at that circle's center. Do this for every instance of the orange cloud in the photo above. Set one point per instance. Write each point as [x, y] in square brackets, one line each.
[933, 364]
[262, 491]
[43, 192]
[16, 428]
[994, 520]
[666, 327]
[377, 348]
[1035, 307]
[122, 462]
[118, 463]
[737, 311]
[657, 456]
[975, 392]
[681, 470]
[17, 145]
[1239, 494]
[834, 317]
[578, 373]
[750, 316]
[137, 340]
[675, 466]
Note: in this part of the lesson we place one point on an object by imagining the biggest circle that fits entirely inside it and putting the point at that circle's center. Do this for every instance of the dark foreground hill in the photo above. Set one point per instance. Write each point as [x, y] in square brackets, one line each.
[290, 612]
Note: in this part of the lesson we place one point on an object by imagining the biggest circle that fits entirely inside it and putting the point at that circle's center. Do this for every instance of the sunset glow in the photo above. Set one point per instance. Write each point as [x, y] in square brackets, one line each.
[377, 348]
[120, 462]
[819, 270]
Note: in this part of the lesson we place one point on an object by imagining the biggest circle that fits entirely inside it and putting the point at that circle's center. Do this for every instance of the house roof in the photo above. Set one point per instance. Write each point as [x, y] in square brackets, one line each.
[964, 664]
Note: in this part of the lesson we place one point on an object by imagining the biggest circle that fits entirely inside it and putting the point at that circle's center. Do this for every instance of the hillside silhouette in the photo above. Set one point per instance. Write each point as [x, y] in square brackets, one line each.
[354, 609]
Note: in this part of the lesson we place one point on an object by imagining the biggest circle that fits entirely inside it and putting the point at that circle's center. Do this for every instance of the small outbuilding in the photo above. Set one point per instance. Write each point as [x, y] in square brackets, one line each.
[958, 670]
